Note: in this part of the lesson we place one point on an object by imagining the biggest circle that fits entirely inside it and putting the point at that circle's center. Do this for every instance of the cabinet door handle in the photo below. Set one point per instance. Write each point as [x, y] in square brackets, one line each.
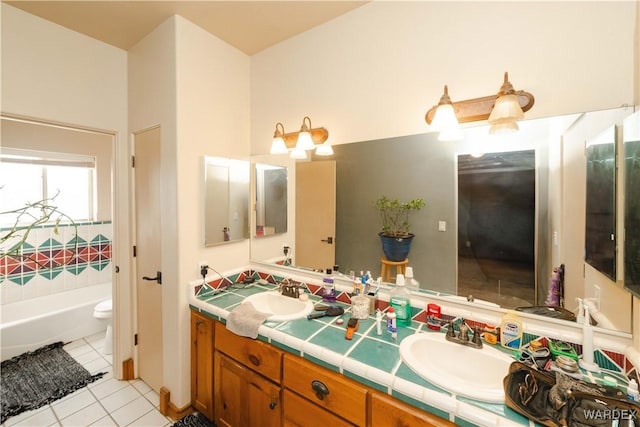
[320, 388]
[199, 322]
[273, 405]
[255, 360]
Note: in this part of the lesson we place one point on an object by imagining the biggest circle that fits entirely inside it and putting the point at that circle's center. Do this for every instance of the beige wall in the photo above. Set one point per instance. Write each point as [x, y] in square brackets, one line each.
[197, 89]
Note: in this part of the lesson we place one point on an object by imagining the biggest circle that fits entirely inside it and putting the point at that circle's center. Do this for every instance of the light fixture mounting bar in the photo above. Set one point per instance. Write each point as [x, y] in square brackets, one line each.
[318, 136]
[476, 109]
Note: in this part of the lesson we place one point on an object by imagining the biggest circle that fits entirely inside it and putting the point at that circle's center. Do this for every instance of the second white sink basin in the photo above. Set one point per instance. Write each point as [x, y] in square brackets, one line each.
[279, 307]
[466, 371]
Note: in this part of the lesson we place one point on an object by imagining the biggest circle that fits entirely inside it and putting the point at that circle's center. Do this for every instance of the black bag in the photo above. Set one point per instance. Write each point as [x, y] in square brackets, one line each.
[557, 400]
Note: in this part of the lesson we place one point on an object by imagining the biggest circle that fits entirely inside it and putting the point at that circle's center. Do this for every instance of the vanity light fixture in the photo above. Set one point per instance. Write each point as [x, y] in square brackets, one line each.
[296, 143]
[502, 110]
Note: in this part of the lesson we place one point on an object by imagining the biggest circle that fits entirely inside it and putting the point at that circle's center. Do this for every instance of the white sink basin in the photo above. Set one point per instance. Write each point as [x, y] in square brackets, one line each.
[281, 308]
[466, 371]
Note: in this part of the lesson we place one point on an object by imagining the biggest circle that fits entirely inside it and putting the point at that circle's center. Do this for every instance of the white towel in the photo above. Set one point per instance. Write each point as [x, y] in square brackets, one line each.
[245, 320]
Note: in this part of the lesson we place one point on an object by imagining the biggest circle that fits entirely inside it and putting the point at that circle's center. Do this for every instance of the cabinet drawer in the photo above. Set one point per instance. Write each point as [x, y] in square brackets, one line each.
[387, 411]
[261, 357]
[345, 397]
[299, 412]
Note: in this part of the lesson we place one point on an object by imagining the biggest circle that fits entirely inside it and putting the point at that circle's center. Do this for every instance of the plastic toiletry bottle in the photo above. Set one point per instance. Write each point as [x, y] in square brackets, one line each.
[433, 316]
[328, 288]
[400, 301]
[391, 323]
[410, 282]
[378, 322]
[511, 331]
[632, 391]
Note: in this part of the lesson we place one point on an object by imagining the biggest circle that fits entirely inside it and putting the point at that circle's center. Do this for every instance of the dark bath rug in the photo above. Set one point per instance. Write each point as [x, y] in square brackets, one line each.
[38, 377]
[194, 420]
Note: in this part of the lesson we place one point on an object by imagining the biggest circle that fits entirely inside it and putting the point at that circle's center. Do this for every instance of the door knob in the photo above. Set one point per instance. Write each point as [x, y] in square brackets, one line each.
[329, 240]
[158, 278]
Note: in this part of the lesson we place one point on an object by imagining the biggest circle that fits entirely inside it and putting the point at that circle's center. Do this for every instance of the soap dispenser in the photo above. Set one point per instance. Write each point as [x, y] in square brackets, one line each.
[587, 362]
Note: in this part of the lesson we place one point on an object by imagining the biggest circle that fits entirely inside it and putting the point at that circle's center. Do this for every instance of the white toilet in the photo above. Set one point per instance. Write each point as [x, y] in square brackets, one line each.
[103, 311]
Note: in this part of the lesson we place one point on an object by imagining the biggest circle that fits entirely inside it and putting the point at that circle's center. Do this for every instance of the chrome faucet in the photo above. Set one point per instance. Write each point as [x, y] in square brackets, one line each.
[462, 336]
[289, 289]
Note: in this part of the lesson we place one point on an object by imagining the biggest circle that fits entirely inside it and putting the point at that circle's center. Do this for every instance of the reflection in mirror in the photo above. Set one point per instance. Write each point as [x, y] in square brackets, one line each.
[496, 227]
[226, 210]
[413, 166]
[271, 200]
[631, 138]
[600, 231]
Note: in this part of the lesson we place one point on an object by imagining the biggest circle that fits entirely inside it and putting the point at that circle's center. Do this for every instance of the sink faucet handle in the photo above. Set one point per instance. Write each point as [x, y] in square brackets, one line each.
[476, 336]
[450, 330]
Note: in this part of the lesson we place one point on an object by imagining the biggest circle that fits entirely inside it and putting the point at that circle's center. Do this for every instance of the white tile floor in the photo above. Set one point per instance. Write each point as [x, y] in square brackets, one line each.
[106, 402]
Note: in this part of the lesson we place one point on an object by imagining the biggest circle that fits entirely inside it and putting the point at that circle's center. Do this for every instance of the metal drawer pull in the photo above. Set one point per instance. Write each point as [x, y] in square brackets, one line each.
[273, 404]
[320, 389]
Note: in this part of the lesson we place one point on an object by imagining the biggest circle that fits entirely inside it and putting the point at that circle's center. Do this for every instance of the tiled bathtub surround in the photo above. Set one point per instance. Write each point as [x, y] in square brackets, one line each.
[57, 262]
[368, 358]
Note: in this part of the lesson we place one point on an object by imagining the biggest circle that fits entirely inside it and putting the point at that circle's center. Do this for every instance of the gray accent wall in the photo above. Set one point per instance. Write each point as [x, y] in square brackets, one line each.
[408, 167]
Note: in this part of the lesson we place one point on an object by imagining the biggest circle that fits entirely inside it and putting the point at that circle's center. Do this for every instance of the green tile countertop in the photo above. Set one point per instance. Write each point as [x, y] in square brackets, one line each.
[373, 360]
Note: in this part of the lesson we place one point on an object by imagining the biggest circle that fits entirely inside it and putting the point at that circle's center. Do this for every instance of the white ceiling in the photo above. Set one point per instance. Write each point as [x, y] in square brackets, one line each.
[250, 26]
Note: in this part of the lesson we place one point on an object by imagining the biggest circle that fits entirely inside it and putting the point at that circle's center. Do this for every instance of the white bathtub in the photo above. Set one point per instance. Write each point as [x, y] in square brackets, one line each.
[65, 316]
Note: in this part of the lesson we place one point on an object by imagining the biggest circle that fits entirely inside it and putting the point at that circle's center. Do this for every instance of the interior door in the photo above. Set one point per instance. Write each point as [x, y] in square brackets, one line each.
[148, 253]
[315, 214]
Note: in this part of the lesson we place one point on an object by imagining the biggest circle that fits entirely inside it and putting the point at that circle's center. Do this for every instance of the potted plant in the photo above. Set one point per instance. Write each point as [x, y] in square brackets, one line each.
[395, 235]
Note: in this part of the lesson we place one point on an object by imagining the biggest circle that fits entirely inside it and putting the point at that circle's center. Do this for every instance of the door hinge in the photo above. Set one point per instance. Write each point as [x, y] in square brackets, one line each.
[133, 161]
[134, 251]
[135, 339]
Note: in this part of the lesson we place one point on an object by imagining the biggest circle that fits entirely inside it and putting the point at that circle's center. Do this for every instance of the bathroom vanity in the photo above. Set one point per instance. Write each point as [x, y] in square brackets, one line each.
[237, 381]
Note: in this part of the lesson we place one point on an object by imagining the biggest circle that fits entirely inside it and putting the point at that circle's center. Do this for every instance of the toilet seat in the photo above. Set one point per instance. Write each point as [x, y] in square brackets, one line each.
[103, 310]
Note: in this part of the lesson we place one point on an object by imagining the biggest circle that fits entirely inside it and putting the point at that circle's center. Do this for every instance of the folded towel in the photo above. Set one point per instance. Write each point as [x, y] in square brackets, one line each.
[245, 320]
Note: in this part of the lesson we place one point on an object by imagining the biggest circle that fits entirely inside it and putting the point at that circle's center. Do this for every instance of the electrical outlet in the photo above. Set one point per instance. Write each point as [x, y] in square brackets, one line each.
[202, 264]
[596, 295]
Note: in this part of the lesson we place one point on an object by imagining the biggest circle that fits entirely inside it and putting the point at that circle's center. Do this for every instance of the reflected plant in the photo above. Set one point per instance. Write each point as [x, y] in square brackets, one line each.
[395, 215]
[27, 218]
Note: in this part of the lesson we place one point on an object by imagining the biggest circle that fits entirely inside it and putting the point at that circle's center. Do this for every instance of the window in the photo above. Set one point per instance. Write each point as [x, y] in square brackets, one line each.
[29, 176]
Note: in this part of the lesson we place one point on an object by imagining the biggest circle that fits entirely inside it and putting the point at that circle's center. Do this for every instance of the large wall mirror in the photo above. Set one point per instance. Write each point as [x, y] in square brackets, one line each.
[631, 138]
[548, 154]
[271, 200]
[226, 200]
[600, 230]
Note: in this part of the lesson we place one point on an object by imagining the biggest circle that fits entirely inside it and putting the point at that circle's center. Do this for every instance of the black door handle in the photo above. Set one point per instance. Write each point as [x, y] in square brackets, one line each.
[158, 278]
[329, 240]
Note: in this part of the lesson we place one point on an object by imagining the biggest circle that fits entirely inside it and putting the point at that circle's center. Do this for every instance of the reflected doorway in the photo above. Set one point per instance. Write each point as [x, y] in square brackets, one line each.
[496, 227]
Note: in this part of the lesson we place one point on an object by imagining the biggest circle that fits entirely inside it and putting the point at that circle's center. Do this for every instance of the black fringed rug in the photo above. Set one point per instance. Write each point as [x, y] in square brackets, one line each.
[194, 420]
[38, 377]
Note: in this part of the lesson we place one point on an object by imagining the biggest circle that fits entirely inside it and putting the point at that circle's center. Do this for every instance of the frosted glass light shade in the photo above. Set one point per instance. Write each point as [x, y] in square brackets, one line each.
[304, 141]
[324, 149]
[298, 154]
[446, 122]
[507, 107]
[503, 127]
[278, 146]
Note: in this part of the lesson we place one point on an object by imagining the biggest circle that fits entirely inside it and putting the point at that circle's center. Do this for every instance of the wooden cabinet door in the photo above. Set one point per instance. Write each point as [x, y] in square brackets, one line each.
[389, 412]
[243, 397]
[202, 364]
[263, 400]
[230, 380]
